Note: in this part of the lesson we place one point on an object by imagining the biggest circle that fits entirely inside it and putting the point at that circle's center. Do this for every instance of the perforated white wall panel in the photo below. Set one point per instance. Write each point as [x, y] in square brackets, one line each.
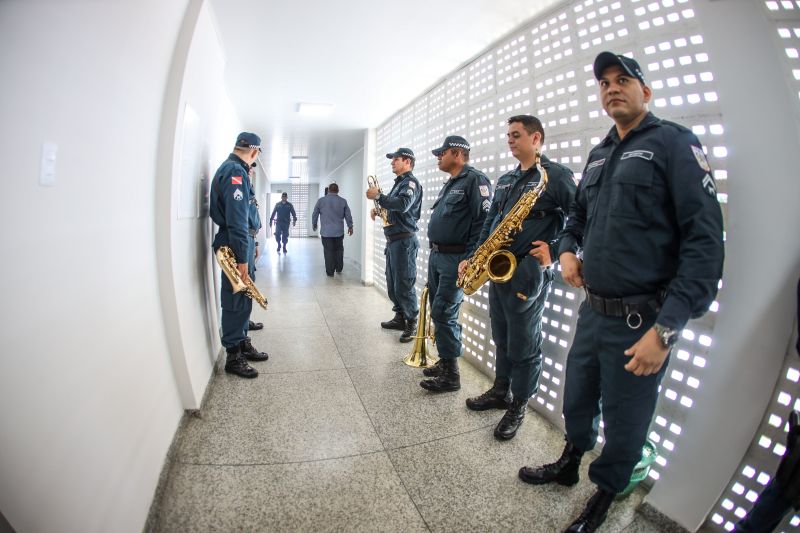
[759, 464]
[545, 69]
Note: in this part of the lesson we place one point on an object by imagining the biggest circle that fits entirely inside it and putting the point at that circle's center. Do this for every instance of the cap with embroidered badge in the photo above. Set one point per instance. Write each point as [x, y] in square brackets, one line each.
[248, 140]
[608, 59]
[402, 152]
[451, 141]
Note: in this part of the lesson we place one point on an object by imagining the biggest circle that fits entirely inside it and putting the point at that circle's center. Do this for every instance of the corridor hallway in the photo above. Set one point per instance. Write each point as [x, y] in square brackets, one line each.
[336, 434]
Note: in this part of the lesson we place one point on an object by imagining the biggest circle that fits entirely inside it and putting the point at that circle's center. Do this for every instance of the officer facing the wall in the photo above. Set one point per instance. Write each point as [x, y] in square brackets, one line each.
[455, 225]
[648, 221]
[231, 192]
[517, 305]
[282, 213]
[404, 206]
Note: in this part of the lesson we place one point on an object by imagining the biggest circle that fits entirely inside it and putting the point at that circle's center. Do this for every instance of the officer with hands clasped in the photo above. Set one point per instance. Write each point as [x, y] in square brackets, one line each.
[647, 219]
[516, 306]
[455, 225]
[231, 192]
[281, 214]
[404, 206]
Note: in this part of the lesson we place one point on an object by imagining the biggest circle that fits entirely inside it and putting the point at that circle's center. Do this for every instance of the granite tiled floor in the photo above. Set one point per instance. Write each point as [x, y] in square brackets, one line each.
[337, 435]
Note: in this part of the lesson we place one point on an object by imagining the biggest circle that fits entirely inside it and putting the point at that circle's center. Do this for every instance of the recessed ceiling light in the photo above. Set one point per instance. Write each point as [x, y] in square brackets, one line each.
[305, 108]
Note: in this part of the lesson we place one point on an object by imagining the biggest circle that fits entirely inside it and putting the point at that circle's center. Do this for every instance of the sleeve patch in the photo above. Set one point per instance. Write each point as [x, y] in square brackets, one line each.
[485, 205]
[236, 180]
[701, 158]
[484, 190]
[412, 185]
[409, 192]
[237, 195]
[709, 186]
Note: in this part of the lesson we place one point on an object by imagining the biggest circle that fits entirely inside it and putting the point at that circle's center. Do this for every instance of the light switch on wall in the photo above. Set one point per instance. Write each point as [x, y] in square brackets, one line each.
[47, 176]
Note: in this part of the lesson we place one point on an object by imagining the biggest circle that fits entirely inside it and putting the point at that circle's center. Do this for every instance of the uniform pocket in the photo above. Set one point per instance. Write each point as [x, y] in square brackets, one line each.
[525, 284]
[453, 204]
[632, 194]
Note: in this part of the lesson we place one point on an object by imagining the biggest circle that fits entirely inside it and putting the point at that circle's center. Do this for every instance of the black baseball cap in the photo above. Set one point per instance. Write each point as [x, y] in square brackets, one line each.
[608, 59]
[402, 152]
[248, 140]
[451, 141]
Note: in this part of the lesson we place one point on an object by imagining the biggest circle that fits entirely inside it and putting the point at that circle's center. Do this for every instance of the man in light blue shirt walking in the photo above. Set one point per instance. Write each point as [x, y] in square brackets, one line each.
[332, 208]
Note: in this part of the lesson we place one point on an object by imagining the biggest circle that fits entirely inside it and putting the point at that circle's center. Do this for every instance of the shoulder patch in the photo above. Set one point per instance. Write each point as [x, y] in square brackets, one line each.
[709, 186]
[700, 156]
[409, 192]
[484, 190]
[412, 185]
[237, 194]
[236, 180]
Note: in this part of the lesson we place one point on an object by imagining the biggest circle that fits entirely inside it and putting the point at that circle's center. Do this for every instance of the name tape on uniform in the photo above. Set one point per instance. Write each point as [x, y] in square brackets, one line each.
[642, 154]
[594, 164]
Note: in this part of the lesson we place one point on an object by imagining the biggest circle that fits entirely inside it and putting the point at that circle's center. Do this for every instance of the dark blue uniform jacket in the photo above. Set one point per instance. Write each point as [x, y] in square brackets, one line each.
[230, 206]
[404, 203]
[547, 217]
[460, 210]
[283, 213]
[647, 217]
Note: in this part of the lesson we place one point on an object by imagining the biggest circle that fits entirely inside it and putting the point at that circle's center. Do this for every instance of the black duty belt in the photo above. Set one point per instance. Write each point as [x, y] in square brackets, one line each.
[632, 308]
[448, 248]
[397, 236]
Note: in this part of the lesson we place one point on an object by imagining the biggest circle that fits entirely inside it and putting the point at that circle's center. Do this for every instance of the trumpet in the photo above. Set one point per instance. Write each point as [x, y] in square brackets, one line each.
[372, 183]
[227, 262]
[420, 356]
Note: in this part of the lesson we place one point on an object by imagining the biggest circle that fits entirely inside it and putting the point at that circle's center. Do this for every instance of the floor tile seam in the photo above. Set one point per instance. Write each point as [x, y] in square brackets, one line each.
[453, 435]
[284, 463]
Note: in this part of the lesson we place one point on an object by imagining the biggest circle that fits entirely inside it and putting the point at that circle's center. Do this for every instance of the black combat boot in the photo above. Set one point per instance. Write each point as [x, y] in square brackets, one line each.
[594, 514]
[250, 352]
[279, 248]
[398, 322]
[449, 380]
[512, 419]
[498, 397]
[564, 471]
[410, 331]
[284, 248]
[435, 370]
[237, 364]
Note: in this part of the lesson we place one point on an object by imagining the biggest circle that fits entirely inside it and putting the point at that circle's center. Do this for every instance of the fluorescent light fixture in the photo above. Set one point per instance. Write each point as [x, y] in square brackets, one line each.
[317, 110]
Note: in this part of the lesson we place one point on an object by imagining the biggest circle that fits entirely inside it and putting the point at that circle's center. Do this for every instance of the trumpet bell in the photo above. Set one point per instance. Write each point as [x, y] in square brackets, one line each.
[420, 358]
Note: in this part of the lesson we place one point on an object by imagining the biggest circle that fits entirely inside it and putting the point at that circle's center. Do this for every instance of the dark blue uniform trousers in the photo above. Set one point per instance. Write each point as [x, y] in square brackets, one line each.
[401, 274]
[595, 371]
[281, 233]
[517, 331]
[445, 299]
[236, 308]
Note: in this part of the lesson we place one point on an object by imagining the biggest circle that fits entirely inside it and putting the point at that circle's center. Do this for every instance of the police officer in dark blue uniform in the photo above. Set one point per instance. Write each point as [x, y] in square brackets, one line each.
[281, 215]
[231, 192]
[516, 307]
[254, 221]
[647, 219]
[404, 206]
[453, 230]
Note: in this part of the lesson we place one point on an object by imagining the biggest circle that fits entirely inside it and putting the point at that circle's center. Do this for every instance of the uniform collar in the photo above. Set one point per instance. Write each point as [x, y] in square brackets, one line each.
[545, 162]
[647, 122]
[464, 172]
[236, 159]
[402, 176]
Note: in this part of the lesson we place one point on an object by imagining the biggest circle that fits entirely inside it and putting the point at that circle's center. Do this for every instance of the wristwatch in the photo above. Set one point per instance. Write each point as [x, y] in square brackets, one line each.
[667, 336]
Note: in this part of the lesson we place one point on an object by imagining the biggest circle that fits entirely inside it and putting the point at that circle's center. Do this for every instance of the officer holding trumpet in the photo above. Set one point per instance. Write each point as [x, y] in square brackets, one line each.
[400, 210]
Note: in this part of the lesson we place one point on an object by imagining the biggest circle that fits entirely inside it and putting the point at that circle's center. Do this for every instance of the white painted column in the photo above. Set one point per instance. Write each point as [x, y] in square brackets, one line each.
[367, 239]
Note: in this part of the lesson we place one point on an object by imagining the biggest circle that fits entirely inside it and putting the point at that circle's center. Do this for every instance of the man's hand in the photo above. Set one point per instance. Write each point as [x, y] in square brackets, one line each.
[270, 223]
[462, 266]
[242, 268]
[373, 213]
[350, 231]
[257, 253]
[373, 192]
[571, 269]
[294, 223]
[314, 227]
[541, 252]
[648, 354]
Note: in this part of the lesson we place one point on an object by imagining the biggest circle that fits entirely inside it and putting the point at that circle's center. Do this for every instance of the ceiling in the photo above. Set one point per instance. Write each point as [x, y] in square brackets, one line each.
[368, 58]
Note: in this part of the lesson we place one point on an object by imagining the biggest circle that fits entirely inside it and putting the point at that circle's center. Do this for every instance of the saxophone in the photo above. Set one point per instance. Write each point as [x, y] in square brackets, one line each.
[227, 262]
[372, 183]
[491, 260]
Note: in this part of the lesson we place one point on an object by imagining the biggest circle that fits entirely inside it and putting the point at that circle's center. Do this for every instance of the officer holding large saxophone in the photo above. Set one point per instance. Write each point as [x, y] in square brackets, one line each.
[403, 206]
[231, 192]
[518, 297]
[453, 230]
